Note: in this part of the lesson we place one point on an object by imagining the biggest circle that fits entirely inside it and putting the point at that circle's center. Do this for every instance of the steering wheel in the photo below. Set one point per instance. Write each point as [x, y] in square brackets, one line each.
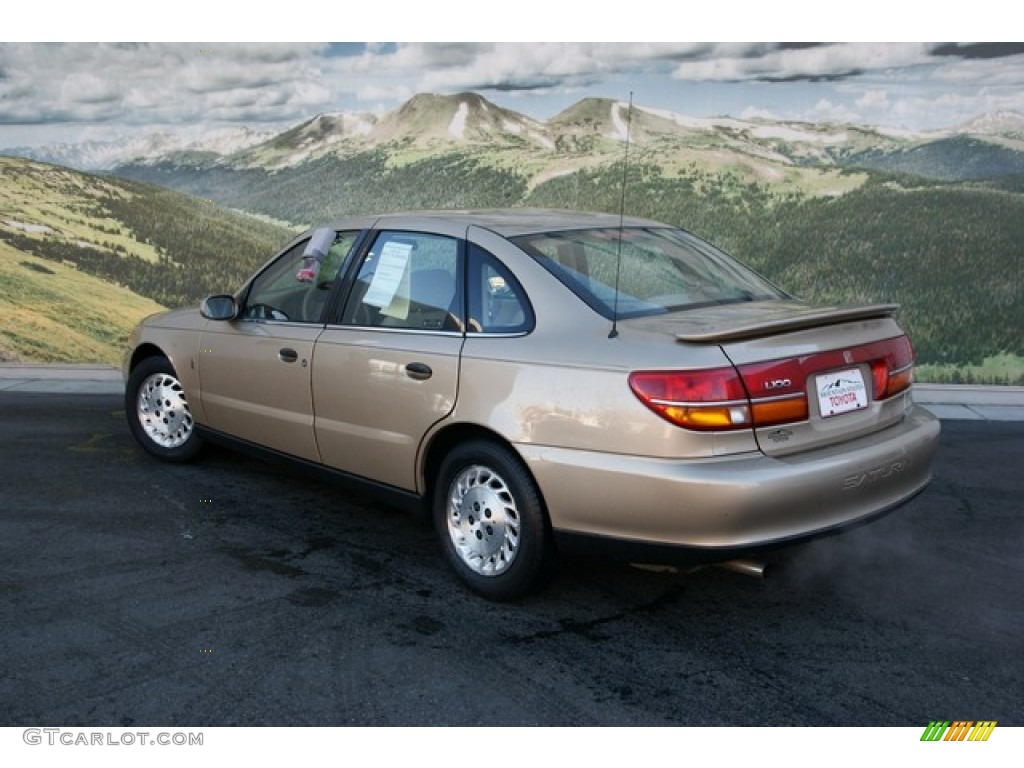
[265, 312]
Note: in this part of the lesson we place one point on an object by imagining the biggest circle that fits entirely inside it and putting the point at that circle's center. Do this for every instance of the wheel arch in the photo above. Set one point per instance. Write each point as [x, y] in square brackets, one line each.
[451, 435]
[501, 543]
[184, 368]
[144, 351]
[157, 409]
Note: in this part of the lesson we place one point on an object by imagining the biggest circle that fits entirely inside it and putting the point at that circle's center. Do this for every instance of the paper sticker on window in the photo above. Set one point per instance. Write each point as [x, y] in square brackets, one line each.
[390, 275]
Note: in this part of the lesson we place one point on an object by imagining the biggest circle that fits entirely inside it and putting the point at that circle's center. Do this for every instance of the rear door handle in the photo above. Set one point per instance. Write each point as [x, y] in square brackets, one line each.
[418, 371]
[287, 355]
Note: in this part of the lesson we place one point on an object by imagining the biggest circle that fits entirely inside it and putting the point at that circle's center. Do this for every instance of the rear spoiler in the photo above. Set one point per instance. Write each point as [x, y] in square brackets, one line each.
[800, 319]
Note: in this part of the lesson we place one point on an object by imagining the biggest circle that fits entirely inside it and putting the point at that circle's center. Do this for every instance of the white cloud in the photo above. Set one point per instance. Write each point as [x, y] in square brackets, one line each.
[811, 63]
[148, 83]
[826, 111]
[184, 84]
[431, 67]
[755, 113]
[873, 99]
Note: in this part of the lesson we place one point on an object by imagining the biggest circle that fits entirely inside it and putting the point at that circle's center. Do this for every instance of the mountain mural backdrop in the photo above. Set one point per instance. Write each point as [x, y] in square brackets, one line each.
[835, 213]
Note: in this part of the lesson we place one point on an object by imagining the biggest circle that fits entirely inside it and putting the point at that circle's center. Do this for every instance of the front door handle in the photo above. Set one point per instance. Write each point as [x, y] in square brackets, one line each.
[287, 355]
[418, 371]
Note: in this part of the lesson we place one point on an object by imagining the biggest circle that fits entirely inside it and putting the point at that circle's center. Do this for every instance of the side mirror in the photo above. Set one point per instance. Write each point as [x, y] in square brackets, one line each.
[219, 308]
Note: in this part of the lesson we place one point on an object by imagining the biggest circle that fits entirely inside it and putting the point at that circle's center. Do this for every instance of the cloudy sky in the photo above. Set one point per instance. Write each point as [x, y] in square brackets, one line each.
[77, 91]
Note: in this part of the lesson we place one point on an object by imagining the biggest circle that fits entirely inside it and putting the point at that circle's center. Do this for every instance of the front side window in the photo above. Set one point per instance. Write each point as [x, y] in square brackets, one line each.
[639, 271]
[295, 288]
[408, 280]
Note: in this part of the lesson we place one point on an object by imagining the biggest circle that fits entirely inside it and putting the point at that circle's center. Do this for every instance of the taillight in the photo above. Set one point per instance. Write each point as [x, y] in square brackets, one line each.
[777, 391]
[711, 399]
[768, 393]
[893, 369]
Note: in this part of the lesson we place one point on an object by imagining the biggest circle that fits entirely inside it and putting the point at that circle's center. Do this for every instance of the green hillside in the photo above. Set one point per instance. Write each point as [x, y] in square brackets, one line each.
[956, 158]
[53, 312]
[947, 251]
[950, 255]
[84, 257]
[332, 186]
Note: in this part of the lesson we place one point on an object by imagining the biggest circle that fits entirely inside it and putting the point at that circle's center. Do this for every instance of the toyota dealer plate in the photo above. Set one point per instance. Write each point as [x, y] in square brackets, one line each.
[841, 392]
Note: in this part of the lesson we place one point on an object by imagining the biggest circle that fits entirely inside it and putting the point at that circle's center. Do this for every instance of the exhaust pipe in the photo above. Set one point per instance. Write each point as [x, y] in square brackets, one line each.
[754, 568]
[654, 567]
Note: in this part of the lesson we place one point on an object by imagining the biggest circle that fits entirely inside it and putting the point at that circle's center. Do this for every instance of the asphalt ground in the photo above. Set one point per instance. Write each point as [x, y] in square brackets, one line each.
[234, 592]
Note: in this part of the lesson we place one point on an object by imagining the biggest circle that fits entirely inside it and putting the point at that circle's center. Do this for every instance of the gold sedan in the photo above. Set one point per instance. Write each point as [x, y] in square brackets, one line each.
[546, 380]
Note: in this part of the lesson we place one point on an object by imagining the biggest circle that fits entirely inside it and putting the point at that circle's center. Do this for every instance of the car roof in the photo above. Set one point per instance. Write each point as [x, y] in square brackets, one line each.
[507, 222]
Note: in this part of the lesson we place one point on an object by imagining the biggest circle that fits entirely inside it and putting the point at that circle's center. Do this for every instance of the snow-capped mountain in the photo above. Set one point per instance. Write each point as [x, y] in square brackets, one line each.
[307, 139]
[459, 118]
[103, 155]
[1007, 124]
[590, 131]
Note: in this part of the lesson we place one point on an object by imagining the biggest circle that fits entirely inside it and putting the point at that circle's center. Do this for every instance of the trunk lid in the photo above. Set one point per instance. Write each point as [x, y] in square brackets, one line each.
[815, 376]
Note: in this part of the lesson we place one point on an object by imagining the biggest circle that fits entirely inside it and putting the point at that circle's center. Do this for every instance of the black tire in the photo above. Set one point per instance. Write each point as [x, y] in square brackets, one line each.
[158, 412]
[491, 522]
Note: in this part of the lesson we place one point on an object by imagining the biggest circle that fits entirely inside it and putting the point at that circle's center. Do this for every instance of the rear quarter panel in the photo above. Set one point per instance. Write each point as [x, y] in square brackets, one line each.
[565, 384]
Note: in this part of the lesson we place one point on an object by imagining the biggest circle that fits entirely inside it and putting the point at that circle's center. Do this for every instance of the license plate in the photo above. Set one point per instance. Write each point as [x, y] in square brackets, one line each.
[841, 392]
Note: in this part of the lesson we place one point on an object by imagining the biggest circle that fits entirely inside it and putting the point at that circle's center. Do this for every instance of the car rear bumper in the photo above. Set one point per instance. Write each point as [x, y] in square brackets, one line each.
[719, 507]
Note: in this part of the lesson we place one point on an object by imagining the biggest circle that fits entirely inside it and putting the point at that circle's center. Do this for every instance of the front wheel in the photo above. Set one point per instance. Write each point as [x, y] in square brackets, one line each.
[491, 522]
[158, 411]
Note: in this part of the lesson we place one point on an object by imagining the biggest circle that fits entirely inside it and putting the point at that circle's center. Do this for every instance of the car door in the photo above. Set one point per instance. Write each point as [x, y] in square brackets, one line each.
[387, 368]
[254, 371]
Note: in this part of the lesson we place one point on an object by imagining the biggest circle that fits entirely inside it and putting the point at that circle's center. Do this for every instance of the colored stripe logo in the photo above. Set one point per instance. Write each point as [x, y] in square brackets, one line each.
[959, 730]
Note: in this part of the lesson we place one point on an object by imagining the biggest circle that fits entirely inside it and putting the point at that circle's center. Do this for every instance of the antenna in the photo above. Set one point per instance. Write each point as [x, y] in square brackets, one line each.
[622, 214]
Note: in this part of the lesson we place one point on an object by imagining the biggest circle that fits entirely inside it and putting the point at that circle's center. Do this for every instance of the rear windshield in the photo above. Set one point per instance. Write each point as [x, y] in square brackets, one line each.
[660, 270]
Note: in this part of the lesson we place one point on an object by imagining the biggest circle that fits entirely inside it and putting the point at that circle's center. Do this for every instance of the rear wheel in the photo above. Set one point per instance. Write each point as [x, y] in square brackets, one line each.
[491, 522]
[158, 411]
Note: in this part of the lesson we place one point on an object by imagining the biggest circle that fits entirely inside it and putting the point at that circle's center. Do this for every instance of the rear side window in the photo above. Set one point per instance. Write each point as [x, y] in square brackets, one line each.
[408, 280]
[497, 302]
